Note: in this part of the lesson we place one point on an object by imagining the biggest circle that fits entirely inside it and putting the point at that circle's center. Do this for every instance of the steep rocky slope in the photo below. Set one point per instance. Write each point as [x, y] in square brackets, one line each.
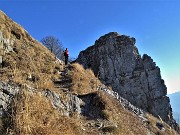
[40, 95]
[116, 61]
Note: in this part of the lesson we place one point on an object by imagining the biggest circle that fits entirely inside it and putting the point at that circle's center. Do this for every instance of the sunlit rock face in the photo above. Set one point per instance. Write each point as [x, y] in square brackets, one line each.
[116, 61]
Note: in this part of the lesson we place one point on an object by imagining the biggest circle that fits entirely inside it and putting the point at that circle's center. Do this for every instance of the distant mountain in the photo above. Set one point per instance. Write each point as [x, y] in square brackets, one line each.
[175, 104]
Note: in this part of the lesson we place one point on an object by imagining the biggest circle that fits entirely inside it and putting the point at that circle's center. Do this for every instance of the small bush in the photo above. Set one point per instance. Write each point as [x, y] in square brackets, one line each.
[105, 114]
[83, 81]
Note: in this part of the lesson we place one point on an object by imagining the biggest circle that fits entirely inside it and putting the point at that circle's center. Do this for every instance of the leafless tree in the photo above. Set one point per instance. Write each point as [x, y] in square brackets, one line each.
[54, 45]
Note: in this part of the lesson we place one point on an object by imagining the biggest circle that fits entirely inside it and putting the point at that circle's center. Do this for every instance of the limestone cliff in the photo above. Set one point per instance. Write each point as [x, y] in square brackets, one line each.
[116, 61]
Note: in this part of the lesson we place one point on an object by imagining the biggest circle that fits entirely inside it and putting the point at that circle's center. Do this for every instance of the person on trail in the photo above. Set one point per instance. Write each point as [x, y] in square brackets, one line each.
[66, 55]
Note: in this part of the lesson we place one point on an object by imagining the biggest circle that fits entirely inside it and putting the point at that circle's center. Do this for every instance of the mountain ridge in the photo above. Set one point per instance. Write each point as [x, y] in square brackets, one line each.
[40, 95]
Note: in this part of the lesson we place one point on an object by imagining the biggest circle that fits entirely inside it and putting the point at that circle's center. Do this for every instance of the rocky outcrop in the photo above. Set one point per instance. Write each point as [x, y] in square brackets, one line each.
[8, 93]
[6, 46]
[66, 108]
[116, 61]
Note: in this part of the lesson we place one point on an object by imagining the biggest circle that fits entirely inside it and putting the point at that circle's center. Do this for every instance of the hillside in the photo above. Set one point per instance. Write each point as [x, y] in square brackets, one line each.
[24, 60]
[39, 95]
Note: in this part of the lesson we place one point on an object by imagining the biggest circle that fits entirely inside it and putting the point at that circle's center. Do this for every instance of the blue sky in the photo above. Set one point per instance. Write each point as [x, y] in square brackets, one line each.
[78, 23]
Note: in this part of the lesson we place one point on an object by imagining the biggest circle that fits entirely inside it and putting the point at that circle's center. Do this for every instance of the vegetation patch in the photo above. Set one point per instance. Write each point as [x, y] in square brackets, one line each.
[83, 81]
[34, 115]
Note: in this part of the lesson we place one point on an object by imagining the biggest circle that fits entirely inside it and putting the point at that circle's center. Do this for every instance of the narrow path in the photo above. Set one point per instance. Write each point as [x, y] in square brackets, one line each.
[64, 81]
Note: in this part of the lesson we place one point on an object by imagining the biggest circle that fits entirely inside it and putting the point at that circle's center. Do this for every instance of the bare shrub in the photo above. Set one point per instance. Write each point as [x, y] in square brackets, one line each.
[54, 45]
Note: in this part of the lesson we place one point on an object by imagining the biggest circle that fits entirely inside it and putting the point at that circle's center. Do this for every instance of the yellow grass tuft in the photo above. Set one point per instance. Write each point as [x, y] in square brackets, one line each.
[83, 81]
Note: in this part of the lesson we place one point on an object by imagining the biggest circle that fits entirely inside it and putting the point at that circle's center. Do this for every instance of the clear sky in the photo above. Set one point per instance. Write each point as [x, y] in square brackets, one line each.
[78, 23]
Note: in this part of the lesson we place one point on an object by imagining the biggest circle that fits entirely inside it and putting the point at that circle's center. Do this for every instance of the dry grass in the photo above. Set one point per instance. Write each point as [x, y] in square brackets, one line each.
[152, 126]
[7, 25]
[19, 66]
[83, 81]
[29, 58]
[127, 123]
[34, 115]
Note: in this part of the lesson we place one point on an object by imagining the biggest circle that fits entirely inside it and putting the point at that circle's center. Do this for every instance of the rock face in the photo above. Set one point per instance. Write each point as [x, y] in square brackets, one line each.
[116, 61]
[9, 91]
[67, 108]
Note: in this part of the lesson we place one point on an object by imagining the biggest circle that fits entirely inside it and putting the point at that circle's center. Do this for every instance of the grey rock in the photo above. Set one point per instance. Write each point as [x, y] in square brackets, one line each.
[74, 103]
[8, 48]
[66, 108]
[116, 61]
[7, 93]
[58, 61]
[6, 44]
[54, 98]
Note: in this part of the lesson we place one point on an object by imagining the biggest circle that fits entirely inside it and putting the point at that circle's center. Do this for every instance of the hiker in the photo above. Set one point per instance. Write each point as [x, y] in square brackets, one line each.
[66, 55]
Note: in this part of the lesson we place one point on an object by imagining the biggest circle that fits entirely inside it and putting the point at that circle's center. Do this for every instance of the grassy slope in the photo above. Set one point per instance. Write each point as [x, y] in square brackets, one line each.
[29, 58]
